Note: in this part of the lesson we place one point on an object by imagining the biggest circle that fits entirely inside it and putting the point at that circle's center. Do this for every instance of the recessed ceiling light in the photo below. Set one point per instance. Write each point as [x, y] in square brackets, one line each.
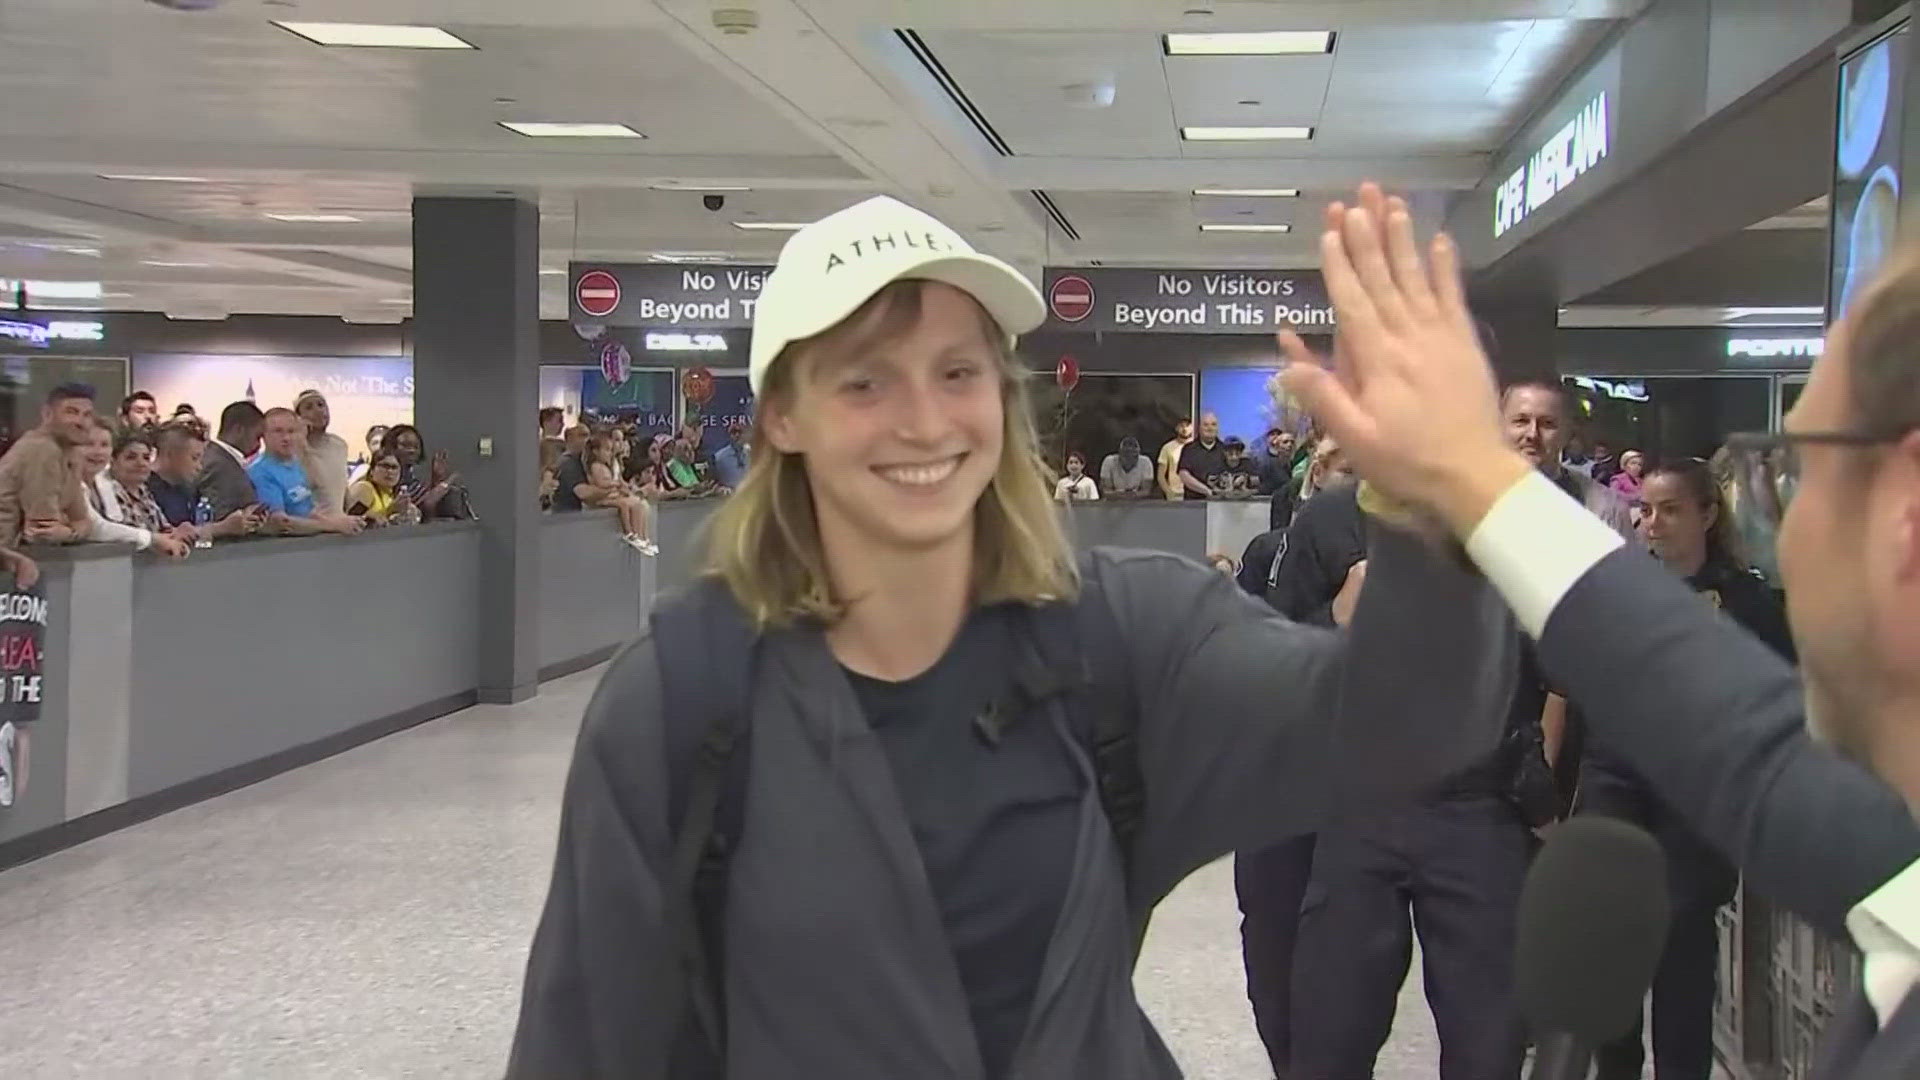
[172, 263]
[671, 186]
[550, 130]
[1244, 227]
[687, 257]
[1234, 132]
[1249, 192]
[156, 179]
[375, 35]
[1257, 43]
[771, 226]
[60, 247]
[315, 219]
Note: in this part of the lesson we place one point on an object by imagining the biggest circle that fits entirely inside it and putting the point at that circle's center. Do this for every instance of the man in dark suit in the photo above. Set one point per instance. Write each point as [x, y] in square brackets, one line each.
[223, 469]
[1712, 720]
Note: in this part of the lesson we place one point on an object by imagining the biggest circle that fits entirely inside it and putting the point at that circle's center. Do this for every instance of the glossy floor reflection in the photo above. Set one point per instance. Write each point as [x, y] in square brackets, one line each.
[369, 917]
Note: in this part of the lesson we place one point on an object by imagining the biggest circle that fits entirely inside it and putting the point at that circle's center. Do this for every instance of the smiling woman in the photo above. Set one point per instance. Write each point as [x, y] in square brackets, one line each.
[857, 460]
[944, 851]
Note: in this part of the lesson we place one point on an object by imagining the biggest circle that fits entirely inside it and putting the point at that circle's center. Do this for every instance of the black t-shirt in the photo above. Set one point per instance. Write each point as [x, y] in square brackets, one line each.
[996, 824]
[570, 475]
[1204, 463]
[1326, 538]
[1238, 476]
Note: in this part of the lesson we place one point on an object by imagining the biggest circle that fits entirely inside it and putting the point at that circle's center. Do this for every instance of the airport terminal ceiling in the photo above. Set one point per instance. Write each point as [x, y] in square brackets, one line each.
[216, 161]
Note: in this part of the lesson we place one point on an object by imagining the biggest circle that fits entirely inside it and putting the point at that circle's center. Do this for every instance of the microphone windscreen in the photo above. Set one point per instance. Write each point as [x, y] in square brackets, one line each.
[1593, 922]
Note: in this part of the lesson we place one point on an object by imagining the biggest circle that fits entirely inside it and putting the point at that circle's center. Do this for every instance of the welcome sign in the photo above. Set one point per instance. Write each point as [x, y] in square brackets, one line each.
[23, 642]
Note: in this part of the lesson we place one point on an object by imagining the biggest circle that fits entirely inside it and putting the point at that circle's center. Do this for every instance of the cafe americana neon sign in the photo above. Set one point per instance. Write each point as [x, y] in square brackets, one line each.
[1566, 156]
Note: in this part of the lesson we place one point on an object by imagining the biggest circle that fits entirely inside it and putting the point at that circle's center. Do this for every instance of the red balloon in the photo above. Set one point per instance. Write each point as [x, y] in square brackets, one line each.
[697, 385]
[1067, 372]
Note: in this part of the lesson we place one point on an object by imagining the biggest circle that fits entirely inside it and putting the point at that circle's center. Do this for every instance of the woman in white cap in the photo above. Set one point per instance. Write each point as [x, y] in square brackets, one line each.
[892, 791]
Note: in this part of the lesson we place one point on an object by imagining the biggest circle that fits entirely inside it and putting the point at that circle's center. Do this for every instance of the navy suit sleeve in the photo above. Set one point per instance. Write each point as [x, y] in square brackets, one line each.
[1716, 725]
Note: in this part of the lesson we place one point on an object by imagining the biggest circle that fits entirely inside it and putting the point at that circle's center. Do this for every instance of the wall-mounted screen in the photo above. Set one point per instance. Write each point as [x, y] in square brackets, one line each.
[1867, 181]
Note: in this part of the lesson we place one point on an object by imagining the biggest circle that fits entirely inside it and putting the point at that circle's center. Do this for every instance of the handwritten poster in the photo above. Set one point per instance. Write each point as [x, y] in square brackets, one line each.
[23, 636]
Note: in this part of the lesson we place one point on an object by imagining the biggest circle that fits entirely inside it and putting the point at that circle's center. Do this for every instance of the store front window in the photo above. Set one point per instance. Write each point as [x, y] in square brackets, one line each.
[26, 380]
[1666, 418]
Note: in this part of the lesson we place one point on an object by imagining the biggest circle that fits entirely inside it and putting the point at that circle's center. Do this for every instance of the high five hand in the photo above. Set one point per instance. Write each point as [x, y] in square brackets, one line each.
[1413, 400]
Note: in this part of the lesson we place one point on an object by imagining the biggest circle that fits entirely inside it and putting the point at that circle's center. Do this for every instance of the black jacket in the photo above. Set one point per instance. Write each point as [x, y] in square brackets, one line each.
[1608, 786]
[1327, 537]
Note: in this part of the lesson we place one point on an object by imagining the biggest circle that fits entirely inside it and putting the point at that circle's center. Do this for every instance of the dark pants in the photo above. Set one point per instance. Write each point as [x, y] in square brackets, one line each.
[1699, 882]
[1270, 884]
[1457, 865]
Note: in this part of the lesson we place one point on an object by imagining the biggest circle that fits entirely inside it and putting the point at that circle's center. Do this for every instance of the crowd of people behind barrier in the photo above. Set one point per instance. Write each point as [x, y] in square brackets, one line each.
[614, 465]
[173, 486]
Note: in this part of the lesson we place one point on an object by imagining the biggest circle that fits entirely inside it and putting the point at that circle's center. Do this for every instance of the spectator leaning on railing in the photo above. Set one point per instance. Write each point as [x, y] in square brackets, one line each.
[224, 482]
[91, 457]
[41, 498]
[40, 495]
[124, 496]
[280, 482]
[179, 452]
[322, 452]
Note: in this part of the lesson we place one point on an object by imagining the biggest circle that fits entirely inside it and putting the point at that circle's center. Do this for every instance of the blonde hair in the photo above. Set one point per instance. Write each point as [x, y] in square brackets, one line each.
[765, 540]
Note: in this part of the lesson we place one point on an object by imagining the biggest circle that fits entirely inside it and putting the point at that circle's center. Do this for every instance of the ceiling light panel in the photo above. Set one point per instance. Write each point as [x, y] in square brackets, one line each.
[711, 188]
[1244, 133]
[1247, 227]
[315, 219]
[1248, 193]
[375, 35]
[553, 130]
[771, 226]
[1256, 43]
[152, 178]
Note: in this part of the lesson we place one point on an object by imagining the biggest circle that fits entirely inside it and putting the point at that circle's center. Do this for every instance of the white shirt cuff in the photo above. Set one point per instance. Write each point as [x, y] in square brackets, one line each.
[1535, 544]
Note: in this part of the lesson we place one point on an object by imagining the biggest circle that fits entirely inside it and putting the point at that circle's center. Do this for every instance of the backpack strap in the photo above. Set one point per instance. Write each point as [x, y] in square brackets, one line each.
[705, 648]
[1084, 638]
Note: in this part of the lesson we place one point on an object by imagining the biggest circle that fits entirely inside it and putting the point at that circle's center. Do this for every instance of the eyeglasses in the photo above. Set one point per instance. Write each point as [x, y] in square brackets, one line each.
[1766, 466]
[386, 465]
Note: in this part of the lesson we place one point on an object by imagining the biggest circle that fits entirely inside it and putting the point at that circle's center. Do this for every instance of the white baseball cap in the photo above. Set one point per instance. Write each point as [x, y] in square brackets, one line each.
[831, 267]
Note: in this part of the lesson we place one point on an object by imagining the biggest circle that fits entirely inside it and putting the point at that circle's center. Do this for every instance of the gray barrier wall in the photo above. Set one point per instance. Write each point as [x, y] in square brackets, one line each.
[164, 682]
[245, 650]
[1193, 529]
[595, 591]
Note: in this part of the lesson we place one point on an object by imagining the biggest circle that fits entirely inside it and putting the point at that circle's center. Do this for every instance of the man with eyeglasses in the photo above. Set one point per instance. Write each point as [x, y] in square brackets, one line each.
[1711, 717]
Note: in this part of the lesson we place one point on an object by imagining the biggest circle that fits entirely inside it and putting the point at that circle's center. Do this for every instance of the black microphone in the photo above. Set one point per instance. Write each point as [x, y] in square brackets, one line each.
[1593, 923]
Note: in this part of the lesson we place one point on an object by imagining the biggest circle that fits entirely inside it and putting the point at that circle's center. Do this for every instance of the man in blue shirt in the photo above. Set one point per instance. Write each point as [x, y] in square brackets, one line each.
[730, 464]
[280, 482]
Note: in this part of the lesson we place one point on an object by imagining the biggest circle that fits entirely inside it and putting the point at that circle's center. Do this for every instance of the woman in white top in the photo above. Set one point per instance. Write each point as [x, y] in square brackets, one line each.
[1076, 485]
[103, 501]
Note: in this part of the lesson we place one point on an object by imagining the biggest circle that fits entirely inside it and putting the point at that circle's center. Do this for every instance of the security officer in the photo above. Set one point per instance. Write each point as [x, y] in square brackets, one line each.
[1688, 527]
[1318, 565]
[1450, 867]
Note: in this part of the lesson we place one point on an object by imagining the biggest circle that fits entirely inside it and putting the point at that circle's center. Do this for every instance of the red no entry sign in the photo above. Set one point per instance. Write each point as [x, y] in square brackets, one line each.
[1070, 297]
[597, 292]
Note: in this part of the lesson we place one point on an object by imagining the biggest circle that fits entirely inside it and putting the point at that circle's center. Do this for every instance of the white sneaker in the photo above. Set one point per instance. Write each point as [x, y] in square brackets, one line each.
[632, 541]
[649, 548]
